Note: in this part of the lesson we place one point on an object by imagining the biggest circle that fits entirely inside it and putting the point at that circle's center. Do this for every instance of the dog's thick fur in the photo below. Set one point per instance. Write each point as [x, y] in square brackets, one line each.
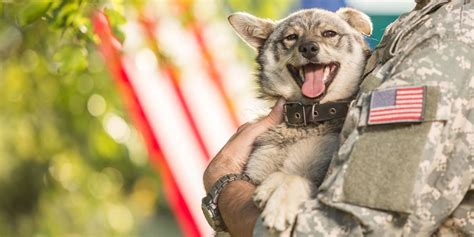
[289, 163]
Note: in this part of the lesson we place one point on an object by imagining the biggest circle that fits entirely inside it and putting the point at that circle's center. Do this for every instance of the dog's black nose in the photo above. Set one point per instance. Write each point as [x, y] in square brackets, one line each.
[309, 49]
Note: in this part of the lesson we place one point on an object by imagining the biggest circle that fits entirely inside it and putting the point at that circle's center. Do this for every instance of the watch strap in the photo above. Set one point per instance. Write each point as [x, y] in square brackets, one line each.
[210, 200]
[223, 181]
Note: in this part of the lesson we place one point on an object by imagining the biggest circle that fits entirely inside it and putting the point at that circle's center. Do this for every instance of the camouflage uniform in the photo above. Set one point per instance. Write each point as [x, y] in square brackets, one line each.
[402, 179]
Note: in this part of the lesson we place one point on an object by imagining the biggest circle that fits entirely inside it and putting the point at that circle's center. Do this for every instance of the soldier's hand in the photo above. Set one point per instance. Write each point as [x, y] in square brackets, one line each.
[235, 153]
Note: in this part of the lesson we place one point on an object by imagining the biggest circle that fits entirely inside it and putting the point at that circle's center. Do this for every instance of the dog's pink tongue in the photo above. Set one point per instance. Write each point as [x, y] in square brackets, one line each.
[313, 85]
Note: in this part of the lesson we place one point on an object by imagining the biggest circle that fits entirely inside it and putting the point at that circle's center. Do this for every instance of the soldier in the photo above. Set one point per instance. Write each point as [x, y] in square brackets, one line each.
[396, 173]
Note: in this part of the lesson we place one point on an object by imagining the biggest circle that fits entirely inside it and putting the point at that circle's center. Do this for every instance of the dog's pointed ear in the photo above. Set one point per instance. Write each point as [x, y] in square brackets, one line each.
[253, 30]
[357, 19]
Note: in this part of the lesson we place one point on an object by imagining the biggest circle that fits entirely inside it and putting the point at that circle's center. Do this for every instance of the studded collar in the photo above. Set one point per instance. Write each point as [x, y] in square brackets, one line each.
[298, 114]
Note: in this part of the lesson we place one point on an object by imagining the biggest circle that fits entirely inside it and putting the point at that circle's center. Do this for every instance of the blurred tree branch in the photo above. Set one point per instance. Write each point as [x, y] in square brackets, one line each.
[61, 171]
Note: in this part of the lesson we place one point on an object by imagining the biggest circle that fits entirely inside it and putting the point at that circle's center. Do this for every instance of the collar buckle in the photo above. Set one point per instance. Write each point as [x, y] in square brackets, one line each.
[299, 115]
[295, 114]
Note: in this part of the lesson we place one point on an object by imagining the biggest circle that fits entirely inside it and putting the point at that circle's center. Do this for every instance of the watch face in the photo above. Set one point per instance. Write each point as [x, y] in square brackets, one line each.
[209, 214]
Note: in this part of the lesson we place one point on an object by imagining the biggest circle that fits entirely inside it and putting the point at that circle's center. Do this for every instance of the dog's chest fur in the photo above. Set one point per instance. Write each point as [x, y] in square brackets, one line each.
[304, 151]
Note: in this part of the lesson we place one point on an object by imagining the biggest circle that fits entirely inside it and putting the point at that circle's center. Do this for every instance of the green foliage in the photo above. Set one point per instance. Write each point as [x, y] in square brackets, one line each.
[70, 163]
[32, 11]
[116, 19]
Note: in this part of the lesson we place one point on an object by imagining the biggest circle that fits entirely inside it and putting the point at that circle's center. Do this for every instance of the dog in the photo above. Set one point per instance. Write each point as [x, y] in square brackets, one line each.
[311, 57]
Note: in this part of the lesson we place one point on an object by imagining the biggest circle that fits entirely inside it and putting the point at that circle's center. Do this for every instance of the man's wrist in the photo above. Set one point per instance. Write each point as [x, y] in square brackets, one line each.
[237, 208]
[210, 205]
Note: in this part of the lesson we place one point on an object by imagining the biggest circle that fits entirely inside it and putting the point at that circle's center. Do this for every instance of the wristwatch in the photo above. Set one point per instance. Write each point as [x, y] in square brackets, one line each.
[209, 202]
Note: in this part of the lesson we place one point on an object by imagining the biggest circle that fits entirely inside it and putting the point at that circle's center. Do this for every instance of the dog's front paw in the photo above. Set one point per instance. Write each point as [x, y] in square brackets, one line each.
[280, 212]
[266, 189]
[283, 204]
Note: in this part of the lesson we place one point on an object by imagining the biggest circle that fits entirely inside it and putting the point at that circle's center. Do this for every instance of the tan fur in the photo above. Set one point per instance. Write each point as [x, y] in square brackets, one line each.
[254, 30]
[360, 22]
[289, 163]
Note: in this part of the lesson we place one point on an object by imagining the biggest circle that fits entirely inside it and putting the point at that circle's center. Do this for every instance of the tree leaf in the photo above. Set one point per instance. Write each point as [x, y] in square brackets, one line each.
[32, 11]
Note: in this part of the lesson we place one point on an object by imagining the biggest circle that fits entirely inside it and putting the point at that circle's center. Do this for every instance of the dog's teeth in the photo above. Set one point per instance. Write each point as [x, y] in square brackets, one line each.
[327, 70]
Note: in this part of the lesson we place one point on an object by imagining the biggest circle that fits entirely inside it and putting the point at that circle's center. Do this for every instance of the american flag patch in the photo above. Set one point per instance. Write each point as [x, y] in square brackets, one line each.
[397, 105]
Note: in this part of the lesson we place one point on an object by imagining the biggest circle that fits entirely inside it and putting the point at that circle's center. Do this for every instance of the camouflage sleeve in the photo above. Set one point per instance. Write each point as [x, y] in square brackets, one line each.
[316, 219]
[461, 222]
[445, 63]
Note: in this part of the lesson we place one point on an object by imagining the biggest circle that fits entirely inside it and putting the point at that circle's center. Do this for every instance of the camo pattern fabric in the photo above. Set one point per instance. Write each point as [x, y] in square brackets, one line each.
[432, 46]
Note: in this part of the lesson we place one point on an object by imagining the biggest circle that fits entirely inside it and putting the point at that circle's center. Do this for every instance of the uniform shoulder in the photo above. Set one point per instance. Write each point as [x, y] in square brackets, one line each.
[455, 21]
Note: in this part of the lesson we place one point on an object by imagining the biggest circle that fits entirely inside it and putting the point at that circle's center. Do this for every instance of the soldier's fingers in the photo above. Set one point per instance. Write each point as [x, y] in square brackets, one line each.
[234, 154]
[275, 117]
[242, 140]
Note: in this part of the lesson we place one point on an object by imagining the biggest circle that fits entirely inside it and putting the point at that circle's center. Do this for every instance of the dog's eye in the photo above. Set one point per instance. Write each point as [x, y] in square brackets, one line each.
[329, 33]
[292, 37]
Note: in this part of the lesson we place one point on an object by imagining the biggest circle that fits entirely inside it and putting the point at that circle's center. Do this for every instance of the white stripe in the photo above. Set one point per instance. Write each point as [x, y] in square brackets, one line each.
[417, 92]
[237, 74]
[409, 101]
[172, 130]
[409, 97]
[206, 104]
[393, 116]
[398, 107]
[209, 111]
[395, 111]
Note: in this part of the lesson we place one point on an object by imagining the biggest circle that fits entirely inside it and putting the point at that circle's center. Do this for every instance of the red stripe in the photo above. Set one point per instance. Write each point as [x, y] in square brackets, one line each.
[409, 98]
[172, 74]
[214, 74]
[410, 94]
[186, 8]
[110, 49]
[409, 103]
[396, 118]
[394, 112]
[416, 100]
[399, 108]
[405, 97]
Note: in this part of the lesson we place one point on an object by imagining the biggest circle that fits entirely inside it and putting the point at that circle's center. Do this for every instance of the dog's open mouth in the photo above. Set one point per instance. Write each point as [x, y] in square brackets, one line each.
[314, 78]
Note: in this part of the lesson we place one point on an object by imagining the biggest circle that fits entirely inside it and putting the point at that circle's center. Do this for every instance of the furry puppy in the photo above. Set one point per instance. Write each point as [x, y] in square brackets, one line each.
[312, 56]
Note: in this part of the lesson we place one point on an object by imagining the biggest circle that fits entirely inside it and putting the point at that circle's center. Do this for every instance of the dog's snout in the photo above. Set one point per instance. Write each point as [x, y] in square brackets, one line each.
[309, 49]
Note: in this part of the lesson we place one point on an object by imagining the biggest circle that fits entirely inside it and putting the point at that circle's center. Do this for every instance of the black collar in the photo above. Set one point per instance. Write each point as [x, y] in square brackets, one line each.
[298, 114]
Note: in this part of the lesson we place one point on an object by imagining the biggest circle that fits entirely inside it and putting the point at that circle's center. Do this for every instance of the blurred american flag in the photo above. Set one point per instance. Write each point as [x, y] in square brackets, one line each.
[177, 80]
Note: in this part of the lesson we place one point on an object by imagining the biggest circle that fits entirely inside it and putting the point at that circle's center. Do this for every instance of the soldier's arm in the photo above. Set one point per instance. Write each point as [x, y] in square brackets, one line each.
[446, 64]
[235, 201]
